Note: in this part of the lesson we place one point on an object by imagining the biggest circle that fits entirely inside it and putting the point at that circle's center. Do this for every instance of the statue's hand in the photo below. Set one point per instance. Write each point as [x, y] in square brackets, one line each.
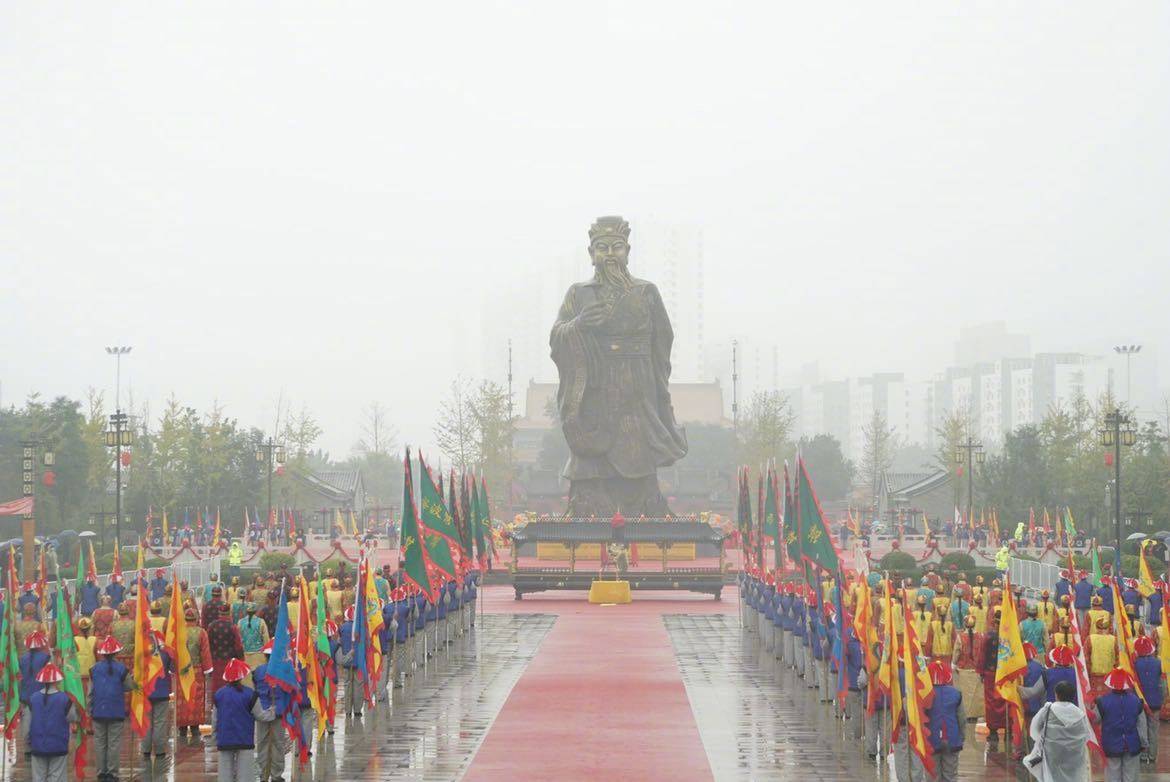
[593, 315]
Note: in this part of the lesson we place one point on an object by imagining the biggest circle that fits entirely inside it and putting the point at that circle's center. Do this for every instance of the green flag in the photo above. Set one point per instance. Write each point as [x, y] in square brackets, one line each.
[10, 655]
[415, 564]
[71, 669]
[816, 544]
[1095, 578]
[440, 535]
[321, 646]
[477, 522]
[1070, 527]
[791, 522]
[771, 507]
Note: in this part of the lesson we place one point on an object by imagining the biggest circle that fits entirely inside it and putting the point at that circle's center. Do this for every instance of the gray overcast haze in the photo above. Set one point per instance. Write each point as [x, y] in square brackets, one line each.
[309, 197]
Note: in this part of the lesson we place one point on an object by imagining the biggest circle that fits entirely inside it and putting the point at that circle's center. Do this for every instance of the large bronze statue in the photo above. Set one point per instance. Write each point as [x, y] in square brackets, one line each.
[611, 344]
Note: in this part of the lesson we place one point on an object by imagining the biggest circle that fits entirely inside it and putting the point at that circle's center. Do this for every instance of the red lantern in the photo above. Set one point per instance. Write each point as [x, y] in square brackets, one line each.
[49, 478]
[125, 457]
[1108, 458]
[280, 471]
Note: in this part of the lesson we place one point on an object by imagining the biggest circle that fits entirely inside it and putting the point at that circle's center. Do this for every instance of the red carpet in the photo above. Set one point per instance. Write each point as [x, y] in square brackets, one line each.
[603, 698]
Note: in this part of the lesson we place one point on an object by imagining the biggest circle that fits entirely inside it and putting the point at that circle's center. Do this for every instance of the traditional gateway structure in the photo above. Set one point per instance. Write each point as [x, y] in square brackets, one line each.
[568, 554]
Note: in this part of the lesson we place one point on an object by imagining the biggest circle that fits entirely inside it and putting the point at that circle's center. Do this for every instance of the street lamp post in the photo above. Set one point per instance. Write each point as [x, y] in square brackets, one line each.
[1129, 351]
[31, 473]
[117, 437]
[970, 452]
[268, 451]
[1119, 430]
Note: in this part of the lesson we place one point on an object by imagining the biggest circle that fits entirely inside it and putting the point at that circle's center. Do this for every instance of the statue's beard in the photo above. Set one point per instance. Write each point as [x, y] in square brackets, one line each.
[613, 274]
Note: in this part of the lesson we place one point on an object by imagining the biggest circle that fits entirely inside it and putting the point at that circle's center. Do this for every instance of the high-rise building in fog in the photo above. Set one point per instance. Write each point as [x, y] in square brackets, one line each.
[671, 256]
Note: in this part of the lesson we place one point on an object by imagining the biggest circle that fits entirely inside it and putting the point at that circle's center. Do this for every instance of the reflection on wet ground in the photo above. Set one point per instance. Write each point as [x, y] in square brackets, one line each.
[759, 721]
[431, 731]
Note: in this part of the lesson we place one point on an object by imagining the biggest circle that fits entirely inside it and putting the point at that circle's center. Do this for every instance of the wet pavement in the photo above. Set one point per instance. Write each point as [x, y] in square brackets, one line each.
[431, 731]
[759, 721]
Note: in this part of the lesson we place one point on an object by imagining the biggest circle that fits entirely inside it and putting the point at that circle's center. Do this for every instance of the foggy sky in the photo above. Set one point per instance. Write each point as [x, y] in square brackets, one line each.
[313, 197]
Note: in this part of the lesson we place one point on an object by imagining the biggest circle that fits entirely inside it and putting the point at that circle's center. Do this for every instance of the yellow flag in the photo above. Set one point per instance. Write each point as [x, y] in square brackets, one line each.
[919, 693]
[1125, 640]
[166, 529]
[1010, 661]
[1145, 578]
[307, 653]
[147, 664]
[888, 670]
[215, 536]
[353, 524]
[177, 640]
[338, 522]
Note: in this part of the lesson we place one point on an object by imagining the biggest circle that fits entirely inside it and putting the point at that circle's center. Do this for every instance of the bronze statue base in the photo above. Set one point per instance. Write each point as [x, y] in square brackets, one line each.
[602, 497]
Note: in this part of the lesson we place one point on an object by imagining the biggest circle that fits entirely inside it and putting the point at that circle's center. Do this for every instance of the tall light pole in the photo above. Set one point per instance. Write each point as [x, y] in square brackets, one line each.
[267, 452]
[970, 452]
[1119, 430]
[1129, 351]
[30, 469]
[117, 437]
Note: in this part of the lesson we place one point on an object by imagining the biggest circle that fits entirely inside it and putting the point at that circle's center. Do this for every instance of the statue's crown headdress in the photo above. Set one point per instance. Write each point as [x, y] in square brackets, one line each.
[609, 226]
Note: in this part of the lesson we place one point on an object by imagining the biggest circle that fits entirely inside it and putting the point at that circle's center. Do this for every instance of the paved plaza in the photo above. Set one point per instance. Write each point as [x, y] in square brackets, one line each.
[551, 687]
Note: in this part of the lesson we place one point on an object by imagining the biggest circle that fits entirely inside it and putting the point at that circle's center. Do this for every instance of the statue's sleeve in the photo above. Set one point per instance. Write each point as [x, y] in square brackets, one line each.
[661, 340]
[568, 352]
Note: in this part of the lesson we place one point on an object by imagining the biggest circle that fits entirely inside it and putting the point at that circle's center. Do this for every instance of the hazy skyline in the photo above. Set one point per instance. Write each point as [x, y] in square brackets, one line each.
[313, 198]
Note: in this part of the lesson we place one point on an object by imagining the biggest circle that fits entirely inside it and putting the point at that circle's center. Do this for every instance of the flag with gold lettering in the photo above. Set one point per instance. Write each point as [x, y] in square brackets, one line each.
[1011, 663]
[816, 544]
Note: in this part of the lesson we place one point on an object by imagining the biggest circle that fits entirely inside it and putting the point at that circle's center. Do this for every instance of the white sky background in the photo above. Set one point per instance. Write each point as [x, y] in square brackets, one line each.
[307, 196]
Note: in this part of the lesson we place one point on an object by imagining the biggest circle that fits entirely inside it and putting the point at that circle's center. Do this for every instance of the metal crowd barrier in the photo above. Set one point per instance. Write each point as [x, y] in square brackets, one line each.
[1033, 576]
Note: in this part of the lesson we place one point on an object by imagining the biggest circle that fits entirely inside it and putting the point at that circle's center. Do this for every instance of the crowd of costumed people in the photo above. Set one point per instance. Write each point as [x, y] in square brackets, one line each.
[1073, 678]
[264, 668]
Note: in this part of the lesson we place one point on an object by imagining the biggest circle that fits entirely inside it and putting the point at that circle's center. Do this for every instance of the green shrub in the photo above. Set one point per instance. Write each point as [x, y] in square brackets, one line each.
[898, 561]
[272, 560]
[957, 561]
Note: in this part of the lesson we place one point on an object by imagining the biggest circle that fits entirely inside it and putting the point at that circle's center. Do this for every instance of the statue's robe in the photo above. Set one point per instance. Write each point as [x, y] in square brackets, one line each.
[614, 400]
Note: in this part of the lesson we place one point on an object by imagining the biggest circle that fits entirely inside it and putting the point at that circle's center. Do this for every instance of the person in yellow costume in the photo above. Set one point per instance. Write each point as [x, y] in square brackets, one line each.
[1046, 610]
[942, 635]
[1064, 636]
[979, 611]
[921, 620]
[980, 589]
[941, 601]
[1097, 614]
[86, 646]
[1062, 610]
[1102, 654]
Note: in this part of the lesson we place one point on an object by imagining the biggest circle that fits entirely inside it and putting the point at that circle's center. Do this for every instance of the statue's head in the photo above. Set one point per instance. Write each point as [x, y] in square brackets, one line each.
[609, 247]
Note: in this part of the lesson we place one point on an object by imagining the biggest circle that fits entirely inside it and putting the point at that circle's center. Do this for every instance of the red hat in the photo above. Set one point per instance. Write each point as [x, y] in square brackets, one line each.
[36, 640]
[1143, 645]
[115, 577]
[1106, 581]
[267, 648]
[1064, 573]
[109, 645]
[1029, 651]
[349, 614]
[940, 672]
[50, 674]
[28, 586]
[159, 572]
[236, 670]
[1117, 679]
[1061, 655]
[330, 627]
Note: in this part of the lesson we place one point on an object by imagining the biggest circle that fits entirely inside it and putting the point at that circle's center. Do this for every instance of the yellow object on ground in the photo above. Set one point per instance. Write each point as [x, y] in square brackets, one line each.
[609, 592]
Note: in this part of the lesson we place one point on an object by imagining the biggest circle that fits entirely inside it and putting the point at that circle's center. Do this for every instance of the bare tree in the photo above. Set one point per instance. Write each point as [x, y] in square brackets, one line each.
[457, 433]
[379, 436]
[881, 442]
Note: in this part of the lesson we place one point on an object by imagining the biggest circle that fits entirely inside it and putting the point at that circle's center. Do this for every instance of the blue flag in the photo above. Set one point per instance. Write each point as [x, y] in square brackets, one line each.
[361, 642]
[282, 675]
